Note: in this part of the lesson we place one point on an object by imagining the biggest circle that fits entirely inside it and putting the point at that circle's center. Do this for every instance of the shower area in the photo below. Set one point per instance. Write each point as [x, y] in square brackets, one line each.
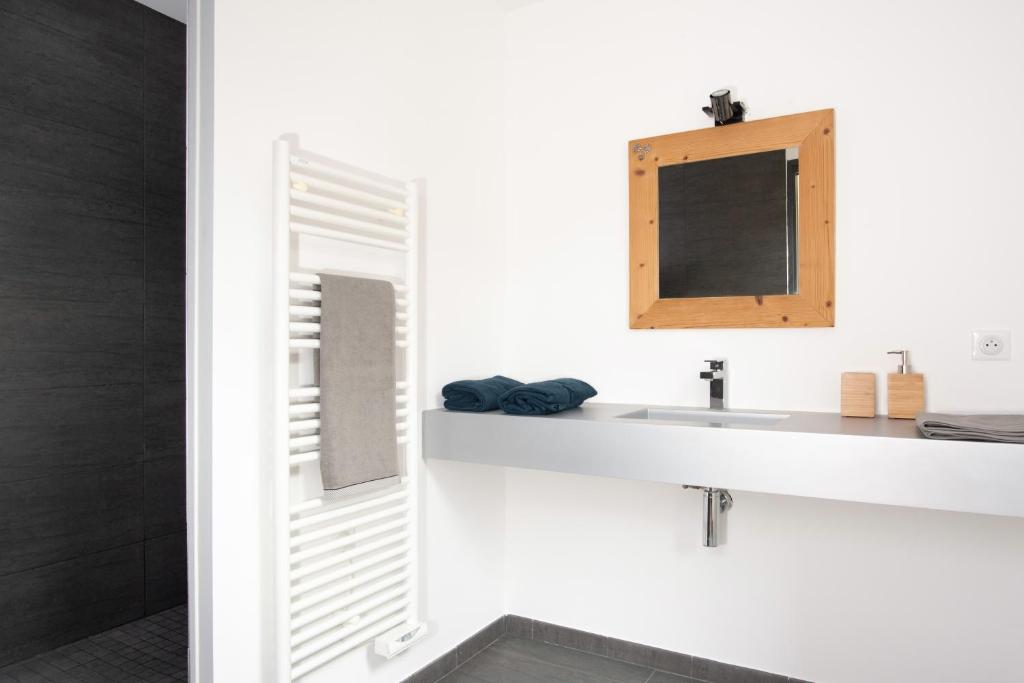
[92, 327]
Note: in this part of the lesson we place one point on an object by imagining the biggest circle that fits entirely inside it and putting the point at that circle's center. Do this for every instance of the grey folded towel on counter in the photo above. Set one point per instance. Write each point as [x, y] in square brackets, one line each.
[1001, 428]
[358, 434]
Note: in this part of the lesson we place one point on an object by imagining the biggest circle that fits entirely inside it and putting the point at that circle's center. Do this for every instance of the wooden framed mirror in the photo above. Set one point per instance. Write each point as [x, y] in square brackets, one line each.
[733, 226]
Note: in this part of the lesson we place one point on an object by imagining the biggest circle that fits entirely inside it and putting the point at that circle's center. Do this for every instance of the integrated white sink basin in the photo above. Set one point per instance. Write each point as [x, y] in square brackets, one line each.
[724, 417]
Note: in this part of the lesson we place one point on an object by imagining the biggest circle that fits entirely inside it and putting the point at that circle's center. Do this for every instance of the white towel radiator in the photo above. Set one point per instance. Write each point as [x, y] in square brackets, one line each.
[345, 573]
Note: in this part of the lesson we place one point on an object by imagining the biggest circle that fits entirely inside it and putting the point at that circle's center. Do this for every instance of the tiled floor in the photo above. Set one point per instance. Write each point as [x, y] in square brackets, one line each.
[150, 650]
[517, 660]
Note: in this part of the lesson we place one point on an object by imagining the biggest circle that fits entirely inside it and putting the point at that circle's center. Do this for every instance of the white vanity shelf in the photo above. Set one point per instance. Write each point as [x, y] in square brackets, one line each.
[816, 455]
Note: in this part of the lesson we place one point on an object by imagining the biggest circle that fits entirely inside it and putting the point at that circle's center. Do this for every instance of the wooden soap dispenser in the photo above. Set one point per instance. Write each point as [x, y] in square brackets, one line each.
[905, 390]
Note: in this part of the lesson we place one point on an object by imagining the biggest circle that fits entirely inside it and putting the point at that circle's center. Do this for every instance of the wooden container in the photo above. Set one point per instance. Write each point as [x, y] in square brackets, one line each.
[857, 397]
[906, 395]
[905, 389]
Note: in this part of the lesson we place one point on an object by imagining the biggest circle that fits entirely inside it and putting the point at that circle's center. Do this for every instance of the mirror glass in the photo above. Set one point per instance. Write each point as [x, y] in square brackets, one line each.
[728, 227]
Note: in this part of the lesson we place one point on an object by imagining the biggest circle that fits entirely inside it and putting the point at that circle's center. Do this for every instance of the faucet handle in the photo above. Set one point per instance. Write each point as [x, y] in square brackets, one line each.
[715, 364]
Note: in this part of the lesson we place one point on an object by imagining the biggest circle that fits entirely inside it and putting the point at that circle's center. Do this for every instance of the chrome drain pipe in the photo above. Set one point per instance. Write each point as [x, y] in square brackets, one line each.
[716, 502]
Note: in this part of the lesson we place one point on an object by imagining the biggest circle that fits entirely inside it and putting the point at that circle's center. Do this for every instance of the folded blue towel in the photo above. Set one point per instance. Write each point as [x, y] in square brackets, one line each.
[544, 398]
[476, 395]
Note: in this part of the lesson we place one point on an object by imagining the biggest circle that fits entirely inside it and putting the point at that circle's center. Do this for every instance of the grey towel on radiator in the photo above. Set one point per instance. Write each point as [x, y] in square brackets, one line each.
[358, 436]
[1003, 428]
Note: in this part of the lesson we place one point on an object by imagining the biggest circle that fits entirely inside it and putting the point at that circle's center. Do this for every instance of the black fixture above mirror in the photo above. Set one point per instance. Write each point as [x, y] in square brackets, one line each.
[723, 110]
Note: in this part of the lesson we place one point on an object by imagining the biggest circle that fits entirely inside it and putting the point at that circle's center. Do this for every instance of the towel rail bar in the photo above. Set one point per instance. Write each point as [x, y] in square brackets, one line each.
[360, 176]
[310, 615]
[304, 311]
[303, 425]
[301, 458]
[360, 226]
[333, 512]
[304, 294]
[314, 328]
[301, 603]
[309, 568]
[302, 343]
[314, 279]
[347, 540]
[316, 629]
[314, 440]
[347, 499]
[394, 217]
[303, 182]
[316, 231]
[370, 629]
[303, 537]
[342, 499]
[313, 646]
[298, 393]
[302, 441]
[308, 584]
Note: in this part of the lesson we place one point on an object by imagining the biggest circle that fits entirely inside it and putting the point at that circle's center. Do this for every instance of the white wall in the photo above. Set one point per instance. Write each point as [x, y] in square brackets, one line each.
[928, 247]
[410, 90]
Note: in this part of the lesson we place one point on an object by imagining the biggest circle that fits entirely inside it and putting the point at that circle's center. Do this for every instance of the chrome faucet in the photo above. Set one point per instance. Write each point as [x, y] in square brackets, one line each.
[715, 374]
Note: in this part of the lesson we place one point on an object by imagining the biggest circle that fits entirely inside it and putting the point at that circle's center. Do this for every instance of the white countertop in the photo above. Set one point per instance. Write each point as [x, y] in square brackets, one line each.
[817, 455]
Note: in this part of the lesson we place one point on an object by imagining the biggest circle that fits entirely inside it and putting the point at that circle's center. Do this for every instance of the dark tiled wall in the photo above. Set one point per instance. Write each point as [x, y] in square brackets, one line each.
[92, 98]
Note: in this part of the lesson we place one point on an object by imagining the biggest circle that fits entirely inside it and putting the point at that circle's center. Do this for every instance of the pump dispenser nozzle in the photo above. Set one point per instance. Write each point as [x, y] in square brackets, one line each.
[904, 367]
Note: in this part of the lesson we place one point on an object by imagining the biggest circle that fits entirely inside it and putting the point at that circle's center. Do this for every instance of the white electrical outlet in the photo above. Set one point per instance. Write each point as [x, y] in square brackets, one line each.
[990, 345]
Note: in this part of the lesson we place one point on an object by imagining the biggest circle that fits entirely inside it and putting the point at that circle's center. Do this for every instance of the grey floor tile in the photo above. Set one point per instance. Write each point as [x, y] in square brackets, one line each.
[719, 672]
[457, 676]
[513, 660]
[517, 626]
[487, 635]
[434, 671]
[663, 677]
[26, 675]
[652, 657]
[573, 659]
[126, 654]
[570, 637]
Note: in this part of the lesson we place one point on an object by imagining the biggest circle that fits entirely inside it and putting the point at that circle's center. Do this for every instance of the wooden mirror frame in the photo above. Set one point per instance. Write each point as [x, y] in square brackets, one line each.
[814, 303]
